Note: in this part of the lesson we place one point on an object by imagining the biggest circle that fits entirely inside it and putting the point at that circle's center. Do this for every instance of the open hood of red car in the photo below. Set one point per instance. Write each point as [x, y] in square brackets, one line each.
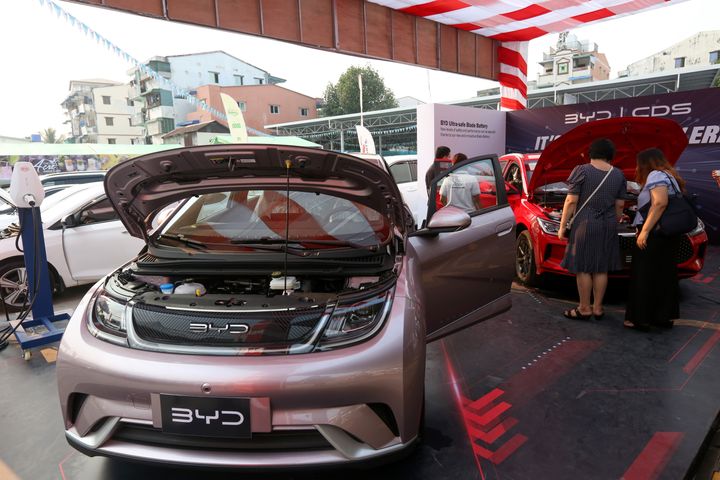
[142, 186]
[630, 135]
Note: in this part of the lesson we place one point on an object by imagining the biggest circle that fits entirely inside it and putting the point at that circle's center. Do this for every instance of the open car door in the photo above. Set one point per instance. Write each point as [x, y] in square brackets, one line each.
[463, 261]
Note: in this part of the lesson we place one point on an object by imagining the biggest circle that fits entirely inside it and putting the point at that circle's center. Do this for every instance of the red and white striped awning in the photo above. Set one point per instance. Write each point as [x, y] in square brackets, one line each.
[515, 22]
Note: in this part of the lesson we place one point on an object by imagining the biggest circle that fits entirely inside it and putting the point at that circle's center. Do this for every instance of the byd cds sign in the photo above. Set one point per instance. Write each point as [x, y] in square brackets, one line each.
[695, 111]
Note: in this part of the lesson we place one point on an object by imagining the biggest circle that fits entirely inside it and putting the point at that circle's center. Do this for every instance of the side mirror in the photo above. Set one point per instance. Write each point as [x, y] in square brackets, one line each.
[69, 221]
[449, 219]
[102, 214]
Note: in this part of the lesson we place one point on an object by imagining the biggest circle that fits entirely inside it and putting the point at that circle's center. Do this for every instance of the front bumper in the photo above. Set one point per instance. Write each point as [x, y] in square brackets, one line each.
[349, 405]
[549, 252]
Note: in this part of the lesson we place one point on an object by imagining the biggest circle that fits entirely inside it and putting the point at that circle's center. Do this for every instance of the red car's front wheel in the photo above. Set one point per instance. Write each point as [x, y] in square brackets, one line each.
[525, 260]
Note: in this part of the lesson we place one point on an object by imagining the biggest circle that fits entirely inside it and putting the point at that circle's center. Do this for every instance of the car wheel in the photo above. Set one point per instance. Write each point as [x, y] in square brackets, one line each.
[13, 284]
[525, 260]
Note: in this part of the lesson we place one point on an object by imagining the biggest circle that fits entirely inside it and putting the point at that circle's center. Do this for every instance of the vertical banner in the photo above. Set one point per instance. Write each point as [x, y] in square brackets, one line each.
[367, 144]
[235, 119]
[472, 131]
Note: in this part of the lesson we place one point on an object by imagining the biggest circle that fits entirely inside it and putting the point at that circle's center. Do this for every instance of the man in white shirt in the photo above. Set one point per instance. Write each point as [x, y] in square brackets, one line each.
[461, 190]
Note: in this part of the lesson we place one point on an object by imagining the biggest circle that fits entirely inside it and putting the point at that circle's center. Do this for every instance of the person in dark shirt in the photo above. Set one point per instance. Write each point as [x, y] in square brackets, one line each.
[442, 162]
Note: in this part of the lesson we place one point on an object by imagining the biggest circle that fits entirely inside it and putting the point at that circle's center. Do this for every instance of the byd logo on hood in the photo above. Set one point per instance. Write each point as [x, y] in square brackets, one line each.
[209, 327]
[646, 111]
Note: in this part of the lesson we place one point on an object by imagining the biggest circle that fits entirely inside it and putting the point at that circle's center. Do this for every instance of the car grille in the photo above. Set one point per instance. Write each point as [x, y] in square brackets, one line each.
[266, 328]
[280, 441]
[684, 253]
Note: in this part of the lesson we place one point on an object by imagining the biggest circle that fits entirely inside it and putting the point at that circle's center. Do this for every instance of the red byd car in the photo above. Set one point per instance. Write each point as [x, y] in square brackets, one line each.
[537, 189]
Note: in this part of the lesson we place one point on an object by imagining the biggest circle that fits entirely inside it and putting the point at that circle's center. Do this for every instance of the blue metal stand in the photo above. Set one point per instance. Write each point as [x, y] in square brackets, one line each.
[42, 309]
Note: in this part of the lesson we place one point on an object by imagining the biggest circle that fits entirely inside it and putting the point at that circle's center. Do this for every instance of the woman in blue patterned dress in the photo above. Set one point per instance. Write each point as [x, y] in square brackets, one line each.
[593, 247]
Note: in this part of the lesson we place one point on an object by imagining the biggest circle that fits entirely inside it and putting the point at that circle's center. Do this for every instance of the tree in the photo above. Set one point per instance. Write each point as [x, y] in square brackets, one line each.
[344, 96]
[49, 135]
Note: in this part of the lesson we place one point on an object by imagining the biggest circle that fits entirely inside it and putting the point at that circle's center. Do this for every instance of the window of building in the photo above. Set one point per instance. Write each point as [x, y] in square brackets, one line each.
[679, 62]
[111, 141]
[242, 105]
[130, 103]
[214, 77]
[715, 57]
[109, 121]
[259, 80]
[130, 121]
[303, 112]
[239, 80]
[562, 68]
[106, 100]
[582, 62]
[274, 108]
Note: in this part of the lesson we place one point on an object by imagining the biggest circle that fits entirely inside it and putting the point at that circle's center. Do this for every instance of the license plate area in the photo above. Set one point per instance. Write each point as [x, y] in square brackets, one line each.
[206, 416]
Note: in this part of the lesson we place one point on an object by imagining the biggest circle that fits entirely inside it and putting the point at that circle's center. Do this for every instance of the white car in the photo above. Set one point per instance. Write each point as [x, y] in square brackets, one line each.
[84, 240]
[403, 168]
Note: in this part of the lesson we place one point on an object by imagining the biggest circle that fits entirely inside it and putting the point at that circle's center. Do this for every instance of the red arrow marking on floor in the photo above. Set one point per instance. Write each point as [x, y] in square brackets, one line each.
[491, 414]
[702, 353]
[485, 399]
[501, 453]
[494, 433]
[651, 461]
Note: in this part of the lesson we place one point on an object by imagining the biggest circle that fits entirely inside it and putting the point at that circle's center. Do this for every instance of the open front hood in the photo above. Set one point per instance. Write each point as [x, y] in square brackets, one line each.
[139, 187]
[630, 136]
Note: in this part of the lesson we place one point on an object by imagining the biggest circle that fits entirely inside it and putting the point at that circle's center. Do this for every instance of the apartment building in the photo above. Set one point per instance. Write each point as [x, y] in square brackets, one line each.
[160, 111]
[100, 111]
[699, 50]
[572, 62]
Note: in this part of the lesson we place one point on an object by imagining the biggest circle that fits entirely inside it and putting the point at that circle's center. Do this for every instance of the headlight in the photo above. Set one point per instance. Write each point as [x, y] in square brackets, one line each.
[549, 226]
[107, 319]
[700, 228]
[354, 322]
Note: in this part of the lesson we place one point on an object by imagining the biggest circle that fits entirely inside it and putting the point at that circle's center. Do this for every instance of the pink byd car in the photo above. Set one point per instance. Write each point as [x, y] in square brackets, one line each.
[260, 329]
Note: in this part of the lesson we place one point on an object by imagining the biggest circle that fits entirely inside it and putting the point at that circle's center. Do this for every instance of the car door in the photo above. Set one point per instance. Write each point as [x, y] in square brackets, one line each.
[96, 242]
[463, 275]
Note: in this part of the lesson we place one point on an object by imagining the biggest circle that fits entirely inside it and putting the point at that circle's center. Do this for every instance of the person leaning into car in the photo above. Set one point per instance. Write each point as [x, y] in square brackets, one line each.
[654, 293]
[596, 190]
[440, 164]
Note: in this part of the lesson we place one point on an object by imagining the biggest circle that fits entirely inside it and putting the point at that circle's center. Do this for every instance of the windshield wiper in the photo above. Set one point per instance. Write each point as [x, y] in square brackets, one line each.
[181, 238]
[281, 241]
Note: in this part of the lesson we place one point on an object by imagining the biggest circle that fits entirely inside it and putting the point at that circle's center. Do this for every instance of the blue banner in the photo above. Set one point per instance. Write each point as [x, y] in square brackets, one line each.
[696, 111]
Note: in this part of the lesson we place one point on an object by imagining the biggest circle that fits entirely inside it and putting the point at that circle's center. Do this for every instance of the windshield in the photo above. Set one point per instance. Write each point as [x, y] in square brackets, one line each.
[235, 220]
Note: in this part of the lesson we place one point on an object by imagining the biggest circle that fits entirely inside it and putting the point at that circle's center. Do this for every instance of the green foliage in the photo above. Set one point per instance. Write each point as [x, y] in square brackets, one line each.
[49, 135]
[344, 96]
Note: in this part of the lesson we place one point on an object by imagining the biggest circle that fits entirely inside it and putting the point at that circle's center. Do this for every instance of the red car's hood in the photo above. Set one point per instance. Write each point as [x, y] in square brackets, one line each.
[142, 186]
[630, 136]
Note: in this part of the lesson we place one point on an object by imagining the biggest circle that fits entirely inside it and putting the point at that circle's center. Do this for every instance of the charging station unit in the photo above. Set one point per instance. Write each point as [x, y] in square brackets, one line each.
[27, 193]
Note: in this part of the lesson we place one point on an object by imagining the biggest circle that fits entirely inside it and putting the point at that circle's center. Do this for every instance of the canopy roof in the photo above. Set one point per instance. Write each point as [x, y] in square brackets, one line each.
[289, 140]
[520, 20]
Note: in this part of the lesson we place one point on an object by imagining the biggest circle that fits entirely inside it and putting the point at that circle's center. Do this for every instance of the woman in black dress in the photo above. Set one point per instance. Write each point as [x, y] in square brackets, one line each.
[654, 294]
[593, 247]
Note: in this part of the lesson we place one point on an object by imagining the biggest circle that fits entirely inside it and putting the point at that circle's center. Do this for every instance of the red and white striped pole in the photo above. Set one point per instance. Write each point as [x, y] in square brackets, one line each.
[513, 75]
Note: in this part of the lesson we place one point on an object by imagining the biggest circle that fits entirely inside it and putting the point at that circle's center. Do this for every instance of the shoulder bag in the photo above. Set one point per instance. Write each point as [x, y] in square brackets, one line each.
[569, 223]
[678, 218]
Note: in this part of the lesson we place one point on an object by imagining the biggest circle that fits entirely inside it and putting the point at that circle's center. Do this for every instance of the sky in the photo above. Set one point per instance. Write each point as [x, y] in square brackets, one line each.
[40, 53]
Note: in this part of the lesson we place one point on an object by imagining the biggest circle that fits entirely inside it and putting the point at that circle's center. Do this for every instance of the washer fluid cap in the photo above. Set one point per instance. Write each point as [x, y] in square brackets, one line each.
[279, 283]
[167, 288]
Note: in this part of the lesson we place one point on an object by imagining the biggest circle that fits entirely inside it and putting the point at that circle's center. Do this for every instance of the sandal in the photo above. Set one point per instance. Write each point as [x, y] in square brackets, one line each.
[598, 316]
[575, 314]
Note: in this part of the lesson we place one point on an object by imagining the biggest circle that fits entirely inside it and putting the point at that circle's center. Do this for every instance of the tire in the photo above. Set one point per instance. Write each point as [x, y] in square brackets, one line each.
[525, 267]
[13, 284]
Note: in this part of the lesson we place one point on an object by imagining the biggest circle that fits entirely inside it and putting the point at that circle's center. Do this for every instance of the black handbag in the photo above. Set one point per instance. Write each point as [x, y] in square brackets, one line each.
[678, 218]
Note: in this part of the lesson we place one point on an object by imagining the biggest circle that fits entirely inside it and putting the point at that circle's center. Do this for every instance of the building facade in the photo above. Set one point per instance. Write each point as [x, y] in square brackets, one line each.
[100, 111]
[261, 104]
[159, 112]
[572, 62]
[700, 50]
